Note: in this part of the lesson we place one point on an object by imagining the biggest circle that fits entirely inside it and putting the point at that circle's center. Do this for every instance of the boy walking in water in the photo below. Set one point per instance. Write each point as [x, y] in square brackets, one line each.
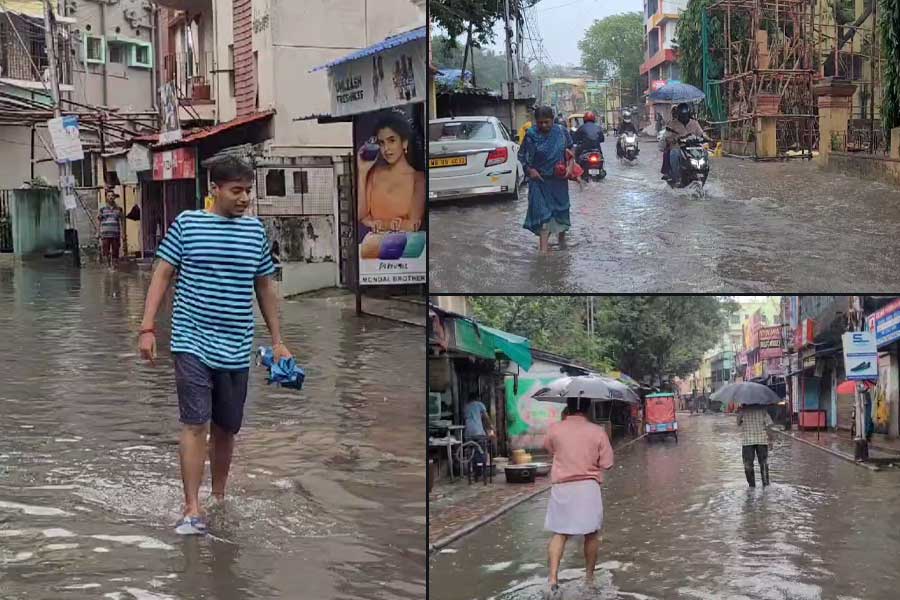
[221, 258]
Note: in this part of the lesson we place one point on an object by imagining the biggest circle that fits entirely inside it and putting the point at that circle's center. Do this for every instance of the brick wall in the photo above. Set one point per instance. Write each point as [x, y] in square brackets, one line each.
[244, 63]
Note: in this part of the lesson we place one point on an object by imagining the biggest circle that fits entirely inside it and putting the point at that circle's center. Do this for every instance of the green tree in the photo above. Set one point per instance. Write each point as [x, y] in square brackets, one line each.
[455, 16]
[689, 39]
[889, 24]
[644, 336]
[612, 48]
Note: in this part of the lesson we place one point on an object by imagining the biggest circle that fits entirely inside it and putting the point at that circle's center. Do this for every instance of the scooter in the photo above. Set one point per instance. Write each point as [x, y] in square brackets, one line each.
[592, 163]
[694, 164]
[629, 143]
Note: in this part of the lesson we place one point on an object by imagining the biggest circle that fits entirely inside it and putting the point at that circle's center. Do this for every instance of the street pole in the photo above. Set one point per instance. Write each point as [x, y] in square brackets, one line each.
[861, 444]
[511, 83]
[64, 168]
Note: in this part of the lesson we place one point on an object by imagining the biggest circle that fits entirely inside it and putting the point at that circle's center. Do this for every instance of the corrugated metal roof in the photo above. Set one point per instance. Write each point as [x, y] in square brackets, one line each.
[196, 135]
[419, 33]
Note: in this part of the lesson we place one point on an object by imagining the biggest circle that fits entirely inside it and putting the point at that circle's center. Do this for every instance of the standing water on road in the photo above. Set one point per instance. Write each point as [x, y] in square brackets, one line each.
[326, 496]
[760, 227]
[681, 522]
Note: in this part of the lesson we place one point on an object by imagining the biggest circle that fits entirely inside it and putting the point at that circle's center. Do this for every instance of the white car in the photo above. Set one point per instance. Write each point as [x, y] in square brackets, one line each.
[470, 157]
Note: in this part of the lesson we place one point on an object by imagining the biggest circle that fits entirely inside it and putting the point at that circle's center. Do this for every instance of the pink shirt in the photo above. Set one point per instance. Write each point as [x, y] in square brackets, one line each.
[580, 449]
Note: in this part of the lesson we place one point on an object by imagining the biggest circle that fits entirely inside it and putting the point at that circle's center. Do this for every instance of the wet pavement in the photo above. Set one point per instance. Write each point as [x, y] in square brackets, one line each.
[761, 227]
[681, 522]
[327, 494]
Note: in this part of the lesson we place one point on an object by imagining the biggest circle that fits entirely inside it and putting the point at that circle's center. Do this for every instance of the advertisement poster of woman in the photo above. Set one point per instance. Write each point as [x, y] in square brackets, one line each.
[391, 196]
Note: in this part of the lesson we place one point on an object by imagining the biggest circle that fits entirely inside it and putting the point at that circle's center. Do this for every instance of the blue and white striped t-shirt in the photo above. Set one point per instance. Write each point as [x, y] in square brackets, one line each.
[218, 260]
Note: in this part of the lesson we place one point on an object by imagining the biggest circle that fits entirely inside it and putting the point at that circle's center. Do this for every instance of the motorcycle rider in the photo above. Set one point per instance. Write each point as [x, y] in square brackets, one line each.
[589, 136]
[683, 124]
[625, 126]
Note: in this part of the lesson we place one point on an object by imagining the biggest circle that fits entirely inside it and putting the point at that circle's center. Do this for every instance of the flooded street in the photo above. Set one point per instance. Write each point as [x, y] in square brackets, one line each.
[761, 227]
[681, 522]
[327, 493]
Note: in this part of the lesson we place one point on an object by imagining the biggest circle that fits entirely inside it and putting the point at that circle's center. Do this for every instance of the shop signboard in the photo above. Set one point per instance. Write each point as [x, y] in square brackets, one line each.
[885, 322]
[860, 355]
[805, 334]
[393, 77]
[390, 154]
[770, 342]
[657, 84]
[758, 369]
[171, 120]
[179, 163]
[775, 366]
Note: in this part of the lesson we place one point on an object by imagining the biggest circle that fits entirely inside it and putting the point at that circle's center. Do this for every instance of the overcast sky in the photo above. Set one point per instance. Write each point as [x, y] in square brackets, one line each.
[562, 24]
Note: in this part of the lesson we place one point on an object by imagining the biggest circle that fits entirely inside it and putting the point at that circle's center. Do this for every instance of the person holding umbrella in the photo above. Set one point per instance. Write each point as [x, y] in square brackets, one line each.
[754, 421]
[581, 453]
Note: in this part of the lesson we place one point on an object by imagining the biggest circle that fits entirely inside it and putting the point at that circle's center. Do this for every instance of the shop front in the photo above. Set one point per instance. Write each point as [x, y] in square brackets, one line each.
[885, 322]
[466, 361]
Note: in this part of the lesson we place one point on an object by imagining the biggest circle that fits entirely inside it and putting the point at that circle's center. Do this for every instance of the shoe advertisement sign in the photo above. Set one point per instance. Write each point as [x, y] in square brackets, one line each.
[860, 355]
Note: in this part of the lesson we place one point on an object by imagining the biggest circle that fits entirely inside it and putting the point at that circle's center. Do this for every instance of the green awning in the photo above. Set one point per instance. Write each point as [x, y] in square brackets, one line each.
[488, 342]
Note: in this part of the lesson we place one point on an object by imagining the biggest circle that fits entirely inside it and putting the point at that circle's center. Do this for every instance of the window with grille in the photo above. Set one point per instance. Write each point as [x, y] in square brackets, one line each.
[94, 49]
[297, 191]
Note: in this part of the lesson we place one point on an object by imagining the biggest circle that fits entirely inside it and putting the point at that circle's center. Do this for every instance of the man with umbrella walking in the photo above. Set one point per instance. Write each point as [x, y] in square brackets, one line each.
[581, 453]
[754, 421]
[756, 439]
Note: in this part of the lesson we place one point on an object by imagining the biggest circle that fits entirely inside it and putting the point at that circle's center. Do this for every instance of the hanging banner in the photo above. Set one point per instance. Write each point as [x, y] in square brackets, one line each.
[393, 77]
[390, 155]
[139, 158]
[171, 121]
[66, 139]
[179, 163]
[860, 355]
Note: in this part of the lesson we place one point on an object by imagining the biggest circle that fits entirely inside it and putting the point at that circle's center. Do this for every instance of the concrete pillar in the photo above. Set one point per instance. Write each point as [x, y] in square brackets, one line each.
[833, 96]
[766, 137]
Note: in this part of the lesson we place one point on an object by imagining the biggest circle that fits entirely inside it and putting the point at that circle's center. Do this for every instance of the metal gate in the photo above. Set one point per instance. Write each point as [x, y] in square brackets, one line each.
[6, 241]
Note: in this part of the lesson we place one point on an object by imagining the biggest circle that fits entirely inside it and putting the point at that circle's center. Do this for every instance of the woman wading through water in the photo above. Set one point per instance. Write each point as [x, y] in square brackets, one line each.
[543, 156]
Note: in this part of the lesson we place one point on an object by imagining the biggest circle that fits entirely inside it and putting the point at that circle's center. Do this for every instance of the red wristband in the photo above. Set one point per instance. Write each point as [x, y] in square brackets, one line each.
[150, 330]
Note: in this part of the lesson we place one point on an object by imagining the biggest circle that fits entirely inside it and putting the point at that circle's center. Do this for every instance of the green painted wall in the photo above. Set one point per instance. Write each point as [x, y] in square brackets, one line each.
[38, 221]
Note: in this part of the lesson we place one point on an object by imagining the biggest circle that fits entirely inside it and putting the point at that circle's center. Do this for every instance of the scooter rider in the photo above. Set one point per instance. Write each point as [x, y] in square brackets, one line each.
[626, 126]
[589, 136]
[682, 125]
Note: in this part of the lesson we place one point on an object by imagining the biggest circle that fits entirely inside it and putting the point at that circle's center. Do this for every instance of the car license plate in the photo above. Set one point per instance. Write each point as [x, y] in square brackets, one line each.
[593, 171]
[662, 427]
[437, 163]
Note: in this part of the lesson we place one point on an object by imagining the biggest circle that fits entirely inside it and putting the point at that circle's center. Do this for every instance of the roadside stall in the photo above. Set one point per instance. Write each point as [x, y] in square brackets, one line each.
[382, 90]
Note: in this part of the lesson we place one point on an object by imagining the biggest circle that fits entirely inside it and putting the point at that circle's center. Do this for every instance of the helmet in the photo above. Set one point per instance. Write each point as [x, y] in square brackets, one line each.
[684, 113]
[590, 117]
[626, 116]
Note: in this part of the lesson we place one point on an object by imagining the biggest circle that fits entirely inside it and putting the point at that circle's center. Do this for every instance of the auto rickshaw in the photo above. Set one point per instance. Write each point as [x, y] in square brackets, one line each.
[575, 121]
[659, 416]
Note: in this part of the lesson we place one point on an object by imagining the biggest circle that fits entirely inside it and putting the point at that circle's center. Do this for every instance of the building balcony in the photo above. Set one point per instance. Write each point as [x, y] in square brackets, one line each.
[192, 74]
[664, 55]
[660, 17]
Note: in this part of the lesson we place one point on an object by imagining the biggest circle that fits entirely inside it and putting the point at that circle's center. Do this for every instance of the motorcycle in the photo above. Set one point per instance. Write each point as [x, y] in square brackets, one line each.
[694, 163]
[630, 149]
[591, 161]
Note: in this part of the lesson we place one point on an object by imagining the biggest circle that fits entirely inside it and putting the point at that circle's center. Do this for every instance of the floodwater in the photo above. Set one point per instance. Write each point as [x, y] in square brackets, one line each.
[327, 495]
[681, 522]
[761, 227]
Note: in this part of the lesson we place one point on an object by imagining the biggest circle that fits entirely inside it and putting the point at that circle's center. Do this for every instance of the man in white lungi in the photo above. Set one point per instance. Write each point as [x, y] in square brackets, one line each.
[581, 453]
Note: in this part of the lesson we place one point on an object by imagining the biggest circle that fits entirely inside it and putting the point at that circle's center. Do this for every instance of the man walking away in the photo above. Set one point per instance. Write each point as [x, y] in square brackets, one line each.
[110, 221]
[756, 439]
[221, 257]
[581, 453]
[479, 426]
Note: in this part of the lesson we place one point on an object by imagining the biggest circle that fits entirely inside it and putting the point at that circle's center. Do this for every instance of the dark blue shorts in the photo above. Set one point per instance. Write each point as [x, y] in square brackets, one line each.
[206, 394]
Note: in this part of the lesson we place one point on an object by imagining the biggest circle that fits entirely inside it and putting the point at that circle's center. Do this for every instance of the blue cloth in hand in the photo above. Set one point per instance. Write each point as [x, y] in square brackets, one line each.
[285, 373]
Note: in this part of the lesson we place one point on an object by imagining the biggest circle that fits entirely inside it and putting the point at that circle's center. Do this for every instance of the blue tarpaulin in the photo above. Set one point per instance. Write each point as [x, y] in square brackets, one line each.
[419, 33]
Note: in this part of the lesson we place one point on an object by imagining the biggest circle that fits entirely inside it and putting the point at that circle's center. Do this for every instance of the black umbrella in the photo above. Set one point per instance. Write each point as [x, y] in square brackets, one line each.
[746, 393]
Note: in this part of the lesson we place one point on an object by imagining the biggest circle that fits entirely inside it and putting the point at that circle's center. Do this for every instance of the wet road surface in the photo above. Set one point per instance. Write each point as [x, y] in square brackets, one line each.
[681, 522]
[761, 227]
[327, 490]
